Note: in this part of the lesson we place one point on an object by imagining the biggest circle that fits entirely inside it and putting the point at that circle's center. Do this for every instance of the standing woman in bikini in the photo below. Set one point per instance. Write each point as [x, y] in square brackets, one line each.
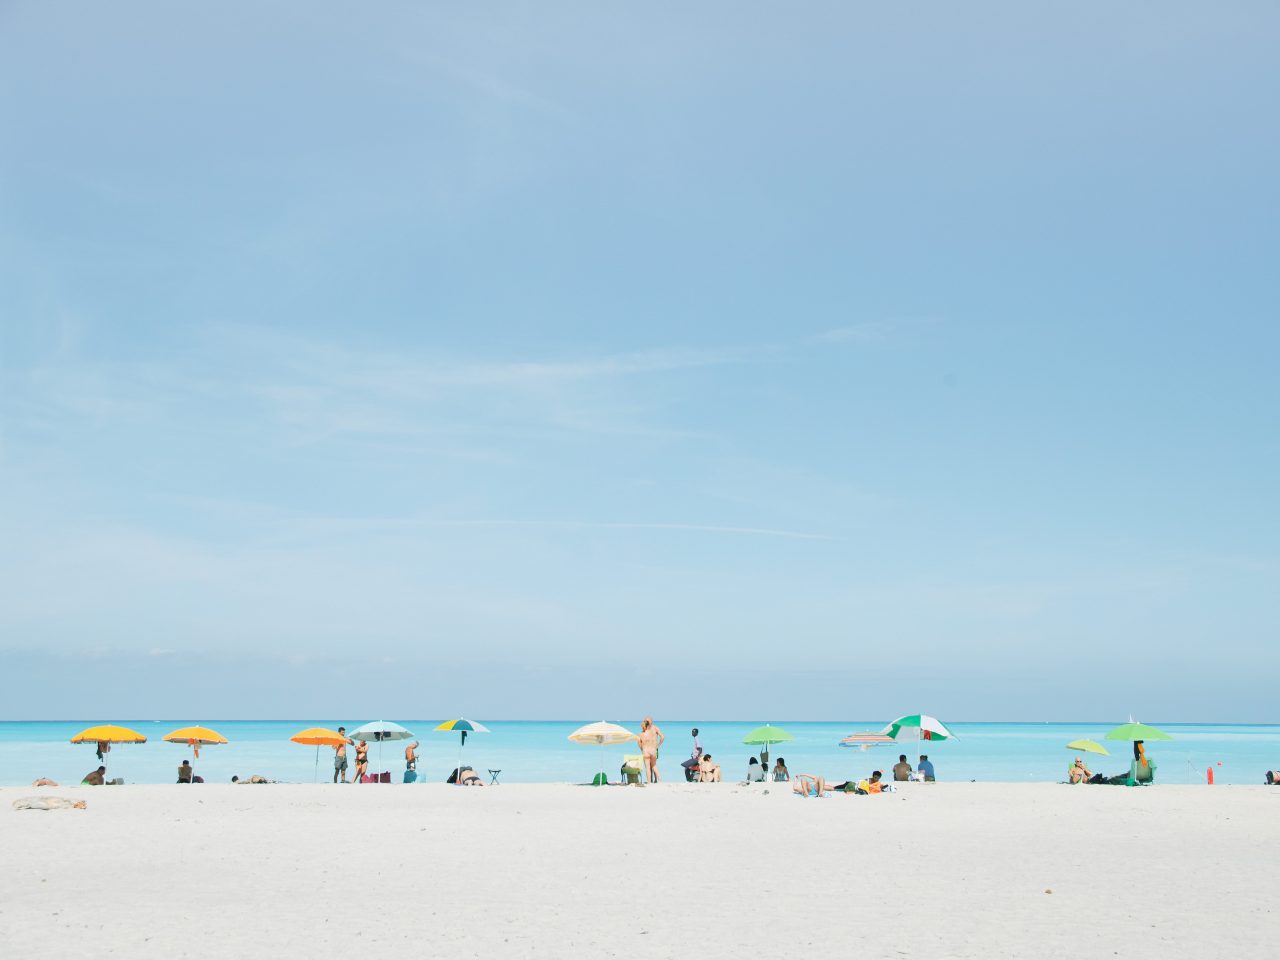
[650, 739]
[362, 762]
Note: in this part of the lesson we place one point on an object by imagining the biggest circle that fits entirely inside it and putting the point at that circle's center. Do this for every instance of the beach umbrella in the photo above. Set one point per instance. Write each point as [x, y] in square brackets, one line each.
[865, 740]
[765, 736]
[1137, 731]
[319, 737]
[108, 733]
[1089, 746]
[379, 731]
[917, 727]
[463, 726]
[602, 734]
[195, 738]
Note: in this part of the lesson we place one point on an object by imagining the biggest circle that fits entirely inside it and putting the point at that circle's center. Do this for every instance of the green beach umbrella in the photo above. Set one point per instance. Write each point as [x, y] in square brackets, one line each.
[1137, 731]
[766, 735]
[1088, 746]
[917, 726]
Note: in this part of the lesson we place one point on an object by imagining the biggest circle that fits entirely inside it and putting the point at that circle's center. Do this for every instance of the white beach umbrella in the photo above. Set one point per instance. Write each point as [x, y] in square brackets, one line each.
[602, 734]
[380, 730]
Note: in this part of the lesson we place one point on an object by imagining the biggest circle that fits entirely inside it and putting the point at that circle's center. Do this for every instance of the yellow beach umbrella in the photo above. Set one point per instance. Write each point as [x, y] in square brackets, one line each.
[195, 738]
[319, 737]
[107, 734]
[1089, 746]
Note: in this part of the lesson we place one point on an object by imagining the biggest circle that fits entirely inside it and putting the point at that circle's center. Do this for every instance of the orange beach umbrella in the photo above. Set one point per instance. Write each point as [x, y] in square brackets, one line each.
[195, 738]
[108, 733]
[319, 737]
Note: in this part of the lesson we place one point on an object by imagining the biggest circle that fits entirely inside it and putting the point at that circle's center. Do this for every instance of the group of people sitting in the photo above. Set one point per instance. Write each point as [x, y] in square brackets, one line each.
[1141, 771]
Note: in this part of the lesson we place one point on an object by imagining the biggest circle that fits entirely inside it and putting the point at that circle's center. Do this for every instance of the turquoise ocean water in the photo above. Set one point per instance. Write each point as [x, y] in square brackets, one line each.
[528, 751]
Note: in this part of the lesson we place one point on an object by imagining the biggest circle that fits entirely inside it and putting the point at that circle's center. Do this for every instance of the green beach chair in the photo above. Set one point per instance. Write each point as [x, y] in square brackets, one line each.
[632, 768]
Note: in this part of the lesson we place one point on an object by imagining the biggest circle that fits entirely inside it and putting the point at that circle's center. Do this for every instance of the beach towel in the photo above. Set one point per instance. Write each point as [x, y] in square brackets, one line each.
[48, 803]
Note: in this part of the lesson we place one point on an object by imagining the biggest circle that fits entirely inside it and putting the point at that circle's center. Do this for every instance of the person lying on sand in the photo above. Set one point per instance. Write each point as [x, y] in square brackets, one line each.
[465, 777]
[708, 769]
[1078, 772]
[254, 779]
[44, 782]
[809, 785]
[49, 803]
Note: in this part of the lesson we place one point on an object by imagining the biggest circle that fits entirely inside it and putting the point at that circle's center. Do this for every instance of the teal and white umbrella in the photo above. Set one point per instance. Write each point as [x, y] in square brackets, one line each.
[380, 730]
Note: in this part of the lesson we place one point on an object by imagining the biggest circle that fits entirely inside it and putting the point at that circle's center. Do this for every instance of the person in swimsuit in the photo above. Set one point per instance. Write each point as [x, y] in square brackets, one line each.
[340, 757]
[808, 785]
[780, 772]
[103, 749]
[95, 778]
[650, 740]
[1079, 773]
[411, 756]
[465, 777]
[362, 762]
[708, 770]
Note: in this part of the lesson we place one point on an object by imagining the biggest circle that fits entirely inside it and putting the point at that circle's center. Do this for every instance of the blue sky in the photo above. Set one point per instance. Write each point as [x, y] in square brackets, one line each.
[562, 360]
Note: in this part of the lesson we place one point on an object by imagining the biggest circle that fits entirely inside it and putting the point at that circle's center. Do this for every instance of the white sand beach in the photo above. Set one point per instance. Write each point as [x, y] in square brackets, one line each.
[936, 870]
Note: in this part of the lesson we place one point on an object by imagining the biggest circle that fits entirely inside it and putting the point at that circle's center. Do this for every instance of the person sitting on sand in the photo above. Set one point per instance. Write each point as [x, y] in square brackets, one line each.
[902, 769]
[1078, 772]
[411, 756]
[872, 784]
[708, 769]
[926, 768]
[809, 785]
[184, 772]
[95, 778]
[755, 772]
[465, 777]
[780, 773]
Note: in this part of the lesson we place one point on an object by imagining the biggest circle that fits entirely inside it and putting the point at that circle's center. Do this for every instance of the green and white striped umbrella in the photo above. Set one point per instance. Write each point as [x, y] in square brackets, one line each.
[918, 726]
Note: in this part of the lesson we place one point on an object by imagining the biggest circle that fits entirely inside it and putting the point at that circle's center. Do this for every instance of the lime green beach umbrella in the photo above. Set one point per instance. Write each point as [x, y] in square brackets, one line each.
[1089, 746]
[1137, 731]
[765, 736]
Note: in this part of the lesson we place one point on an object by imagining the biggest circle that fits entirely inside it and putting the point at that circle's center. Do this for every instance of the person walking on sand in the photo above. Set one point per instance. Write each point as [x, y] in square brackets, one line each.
[650, 740]
[340, 756]
[411, 756]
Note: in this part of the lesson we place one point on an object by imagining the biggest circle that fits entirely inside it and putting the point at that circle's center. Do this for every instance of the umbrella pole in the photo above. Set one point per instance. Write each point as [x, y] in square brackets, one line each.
[457, 781]
[315, 777]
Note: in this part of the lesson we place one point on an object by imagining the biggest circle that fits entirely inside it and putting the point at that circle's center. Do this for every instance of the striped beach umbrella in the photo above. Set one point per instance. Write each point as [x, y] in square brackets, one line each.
[918, 727]
[462, 726]
[865, 740]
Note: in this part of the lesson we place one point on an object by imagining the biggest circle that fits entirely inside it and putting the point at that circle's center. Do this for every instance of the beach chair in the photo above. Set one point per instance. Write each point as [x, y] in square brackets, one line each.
[1140, 774]
[632, 768]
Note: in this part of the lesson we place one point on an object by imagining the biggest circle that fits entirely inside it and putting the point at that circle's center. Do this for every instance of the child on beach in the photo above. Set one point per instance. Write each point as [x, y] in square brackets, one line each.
[780, 773]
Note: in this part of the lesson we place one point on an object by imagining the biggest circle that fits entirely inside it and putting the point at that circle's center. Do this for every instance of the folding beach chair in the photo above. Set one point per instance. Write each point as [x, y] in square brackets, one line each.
[632, 768]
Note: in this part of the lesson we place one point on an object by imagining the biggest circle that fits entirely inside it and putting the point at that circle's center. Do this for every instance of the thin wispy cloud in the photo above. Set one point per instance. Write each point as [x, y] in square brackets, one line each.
[869, 331]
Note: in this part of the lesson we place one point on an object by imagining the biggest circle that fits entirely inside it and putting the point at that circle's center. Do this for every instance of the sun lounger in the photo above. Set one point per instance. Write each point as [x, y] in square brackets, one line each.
[632, 768]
